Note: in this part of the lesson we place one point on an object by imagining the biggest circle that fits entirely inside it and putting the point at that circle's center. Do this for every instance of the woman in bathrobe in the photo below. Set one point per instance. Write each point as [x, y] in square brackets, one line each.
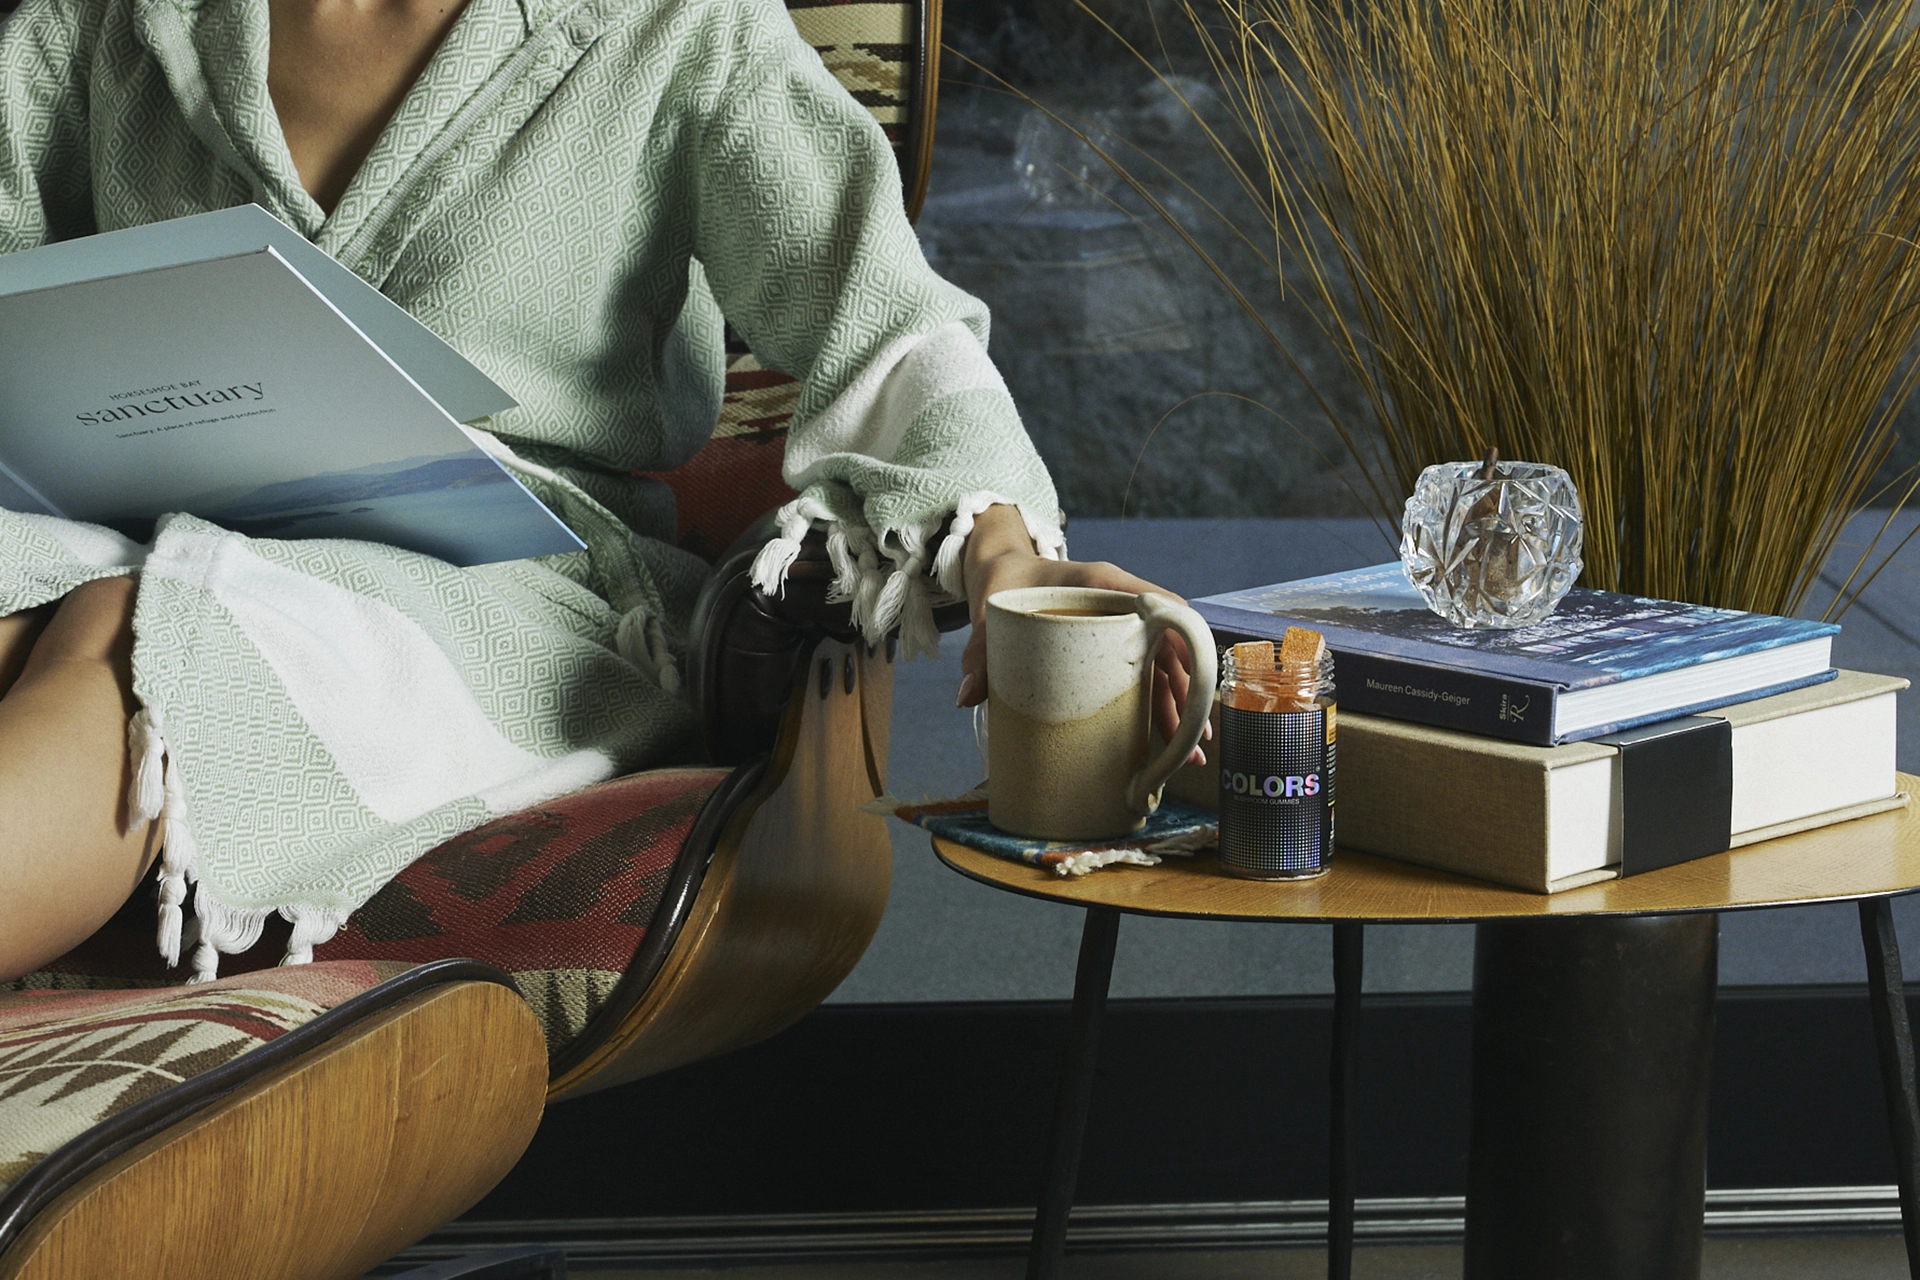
[573, 192]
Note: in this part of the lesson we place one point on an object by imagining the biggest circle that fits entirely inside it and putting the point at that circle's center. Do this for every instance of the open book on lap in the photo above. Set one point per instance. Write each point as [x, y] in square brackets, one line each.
[222, 366]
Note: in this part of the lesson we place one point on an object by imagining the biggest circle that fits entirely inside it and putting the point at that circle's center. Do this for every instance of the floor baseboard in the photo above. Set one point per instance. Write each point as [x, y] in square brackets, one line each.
[720, 1239]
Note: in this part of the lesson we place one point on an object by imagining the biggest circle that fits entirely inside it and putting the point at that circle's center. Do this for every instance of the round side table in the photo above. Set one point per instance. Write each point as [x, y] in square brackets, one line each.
[1563, 1011]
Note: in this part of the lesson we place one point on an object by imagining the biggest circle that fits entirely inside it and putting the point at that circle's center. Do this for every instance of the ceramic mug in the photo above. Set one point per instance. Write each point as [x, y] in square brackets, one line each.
[1070, 704]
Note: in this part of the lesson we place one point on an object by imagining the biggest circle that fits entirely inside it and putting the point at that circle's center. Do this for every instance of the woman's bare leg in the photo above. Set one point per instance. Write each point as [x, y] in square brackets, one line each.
[18, 631]
[67, 861]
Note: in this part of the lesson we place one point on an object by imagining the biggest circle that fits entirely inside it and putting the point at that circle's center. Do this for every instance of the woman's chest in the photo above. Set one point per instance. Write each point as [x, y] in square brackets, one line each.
[533, 210]
[338, 71]
[502, 126]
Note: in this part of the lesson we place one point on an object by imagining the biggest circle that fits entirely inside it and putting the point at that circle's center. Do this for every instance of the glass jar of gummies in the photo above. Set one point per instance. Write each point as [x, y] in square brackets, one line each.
[1277, 715]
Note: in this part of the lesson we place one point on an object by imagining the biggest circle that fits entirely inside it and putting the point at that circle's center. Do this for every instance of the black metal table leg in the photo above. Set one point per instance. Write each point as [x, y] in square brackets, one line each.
[1887, 990]
[1075, 1093]
[1348, 940]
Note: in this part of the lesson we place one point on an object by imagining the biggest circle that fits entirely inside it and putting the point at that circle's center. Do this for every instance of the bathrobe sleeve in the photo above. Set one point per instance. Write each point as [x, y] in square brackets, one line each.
[904, 426]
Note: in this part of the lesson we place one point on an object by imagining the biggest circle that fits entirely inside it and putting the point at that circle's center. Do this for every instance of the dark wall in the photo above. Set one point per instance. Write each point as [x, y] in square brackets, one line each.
[876, 1107]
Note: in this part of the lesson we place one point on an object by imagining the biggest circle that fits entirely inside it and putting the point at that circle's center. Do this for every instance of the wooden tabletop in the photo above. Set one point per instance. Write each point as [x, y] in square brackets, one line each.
[1865, 858]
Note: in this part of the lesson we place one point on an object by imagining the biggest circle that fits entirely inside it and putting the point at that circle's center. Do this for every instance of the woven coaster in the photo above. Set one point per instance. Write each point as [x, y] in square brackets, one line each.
[1176, 829]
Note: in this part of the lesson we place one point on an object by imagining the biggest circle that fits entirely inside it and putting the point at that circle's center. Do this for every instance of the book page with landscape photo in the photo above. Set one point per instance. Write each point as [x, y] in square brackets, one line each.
[230, 389]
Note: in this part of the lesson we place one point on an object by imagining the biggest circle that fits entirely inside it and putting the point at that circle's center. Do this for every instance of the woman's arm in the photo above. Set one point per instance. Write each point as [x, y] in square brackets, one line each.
[904, 431]
[904, 428]
[1000, 556]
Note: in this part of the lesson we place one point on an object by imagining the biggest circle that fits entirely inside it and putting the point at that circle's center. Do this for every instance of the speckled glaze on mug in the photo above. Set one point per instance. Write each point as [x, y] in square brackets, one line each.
[1069, 704]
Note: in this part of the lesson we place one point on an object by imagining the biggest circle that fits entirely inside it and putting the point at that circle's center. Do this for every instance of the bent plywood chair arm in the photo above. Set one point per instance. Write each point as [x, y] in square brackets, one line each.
[782, 882]
[783, 897]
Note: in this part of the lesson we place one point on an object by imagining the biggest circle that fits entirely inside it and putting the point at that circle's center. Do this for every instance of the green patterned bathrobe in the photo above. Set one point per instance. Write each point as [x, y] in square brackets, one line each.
[573, 194]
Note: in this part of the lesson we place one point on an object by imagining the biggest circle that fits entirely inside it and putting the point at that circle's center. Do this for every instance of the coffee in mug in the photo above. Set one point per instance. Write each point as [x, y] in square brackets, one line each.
[1070, 705]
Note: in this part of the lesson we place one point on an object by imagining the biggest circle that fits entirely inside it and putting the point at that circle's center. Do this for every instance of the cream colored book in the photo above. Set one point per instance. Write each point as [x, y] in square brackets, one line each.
[1550, 818]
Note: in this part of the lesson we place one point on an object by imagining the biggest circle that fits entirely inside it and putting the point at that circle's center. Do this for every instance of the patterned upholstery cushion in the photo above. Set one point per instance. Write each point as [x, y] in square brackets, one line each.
[70, 1059]
[735, 477]
[560, 896]
[870, 49]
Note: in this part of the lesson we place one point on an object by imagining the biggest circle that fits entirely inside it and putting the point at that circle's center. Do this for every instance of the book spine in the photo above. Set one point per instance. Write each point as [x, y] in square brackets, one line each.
[1493, 706]
[1712, 704]
[1462, 809]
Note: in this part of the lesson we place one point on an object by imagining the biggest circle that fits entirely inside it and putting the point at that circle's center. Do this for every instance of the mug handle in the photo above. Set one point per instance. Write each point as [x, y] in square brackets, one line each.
[1161, 613]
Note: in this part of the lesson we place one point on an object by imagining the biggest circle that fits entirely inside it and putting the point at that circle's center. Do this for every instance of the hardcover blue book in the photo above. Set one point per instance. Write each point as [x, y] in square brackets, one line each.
[1601, 663]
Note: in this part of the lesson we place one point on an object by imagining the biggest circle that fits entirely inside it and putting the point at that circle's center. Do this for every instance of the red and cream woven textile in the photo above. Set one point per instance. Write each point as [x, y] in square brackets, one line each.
[560, 896]
[70, 1059]
[734, 479]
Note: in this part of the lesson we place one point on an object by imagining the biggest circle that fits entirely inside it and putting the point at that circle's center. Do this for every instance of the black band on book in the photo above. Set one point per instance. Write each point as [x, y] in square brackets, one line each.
[1676, 791]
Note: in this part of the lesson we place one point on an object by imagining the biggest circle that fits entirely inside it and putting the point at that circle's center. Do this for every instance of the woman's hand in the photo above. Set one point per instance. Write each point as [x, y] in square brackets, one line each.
[1000, 556]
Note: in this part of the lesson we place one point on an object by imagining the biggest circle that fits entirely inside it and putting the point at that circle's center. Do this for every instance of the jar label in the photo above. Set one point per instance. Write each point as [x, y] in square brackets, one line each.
[1276, 790]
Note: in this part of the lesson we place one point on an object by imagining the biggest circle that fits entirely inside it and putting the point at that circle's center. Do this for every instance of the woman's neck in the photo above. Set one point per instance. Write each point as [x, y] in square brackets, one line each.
[338, 70]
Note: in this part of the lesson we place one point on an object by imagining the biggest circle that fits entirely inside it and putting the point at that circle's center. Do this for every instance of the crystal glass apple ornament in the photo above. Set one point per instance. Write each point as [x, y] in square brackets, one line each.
[1492, 550]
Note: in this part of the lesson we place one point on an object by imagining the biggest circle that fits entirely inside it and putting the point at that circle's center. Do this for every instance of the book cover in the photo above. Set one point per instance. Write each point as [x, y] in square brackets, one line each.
[234, 389]
[1395, 657]
[453, 382]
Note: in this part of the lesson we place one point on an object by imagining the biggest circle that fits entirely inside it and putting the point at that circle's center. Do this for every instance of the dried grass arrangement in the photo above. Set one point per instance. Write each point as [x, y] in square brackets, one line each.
[1669, 245]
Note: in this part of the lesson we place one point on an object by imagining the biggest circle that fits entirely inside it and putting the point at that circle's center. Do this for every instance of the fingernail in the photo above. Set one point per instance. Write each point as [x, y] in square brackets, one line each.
[1206, 732]
[1198, 757]
[969, 687]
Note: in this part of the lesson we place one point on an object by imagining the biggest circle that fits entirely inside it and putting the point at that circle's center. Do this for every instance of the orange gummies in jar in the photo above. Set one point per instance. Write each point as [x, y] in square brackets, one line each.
[1276, 752]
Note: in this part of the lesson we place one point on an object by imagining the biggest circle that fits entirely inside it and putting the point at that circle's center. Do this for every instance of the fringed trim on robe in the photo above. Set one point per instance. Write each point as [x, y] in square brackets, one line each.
[890, 578]
[156, 794]
[201, 915]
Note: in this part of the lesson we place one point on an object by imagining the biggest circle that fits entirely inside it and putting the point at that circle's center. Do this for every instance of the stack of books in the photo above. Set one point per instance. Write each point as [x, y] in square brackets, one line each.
[1620, 735]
